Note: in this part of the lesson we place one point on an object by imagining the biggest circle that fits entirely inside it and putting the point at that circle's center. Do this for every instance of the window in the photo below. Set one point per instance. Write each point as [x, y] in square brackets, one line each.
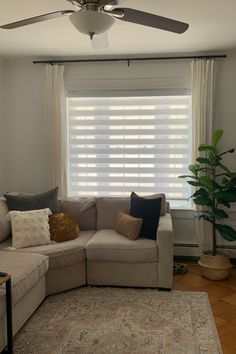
[120, 144]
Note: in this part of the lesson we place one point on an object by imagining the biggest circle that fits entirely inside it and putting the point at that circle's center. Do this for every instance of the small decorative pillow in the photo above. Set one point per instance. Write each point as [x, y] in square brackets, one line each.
[63, 227]
[30, 228]
[149, 210]
[128, 225]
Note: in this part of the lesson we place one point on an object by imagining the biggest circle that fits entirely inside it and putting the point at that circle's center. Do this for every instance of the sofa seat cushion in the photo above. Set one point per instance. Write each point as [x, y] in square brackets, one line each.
[25, 269]
[64, 253]
[108, 245]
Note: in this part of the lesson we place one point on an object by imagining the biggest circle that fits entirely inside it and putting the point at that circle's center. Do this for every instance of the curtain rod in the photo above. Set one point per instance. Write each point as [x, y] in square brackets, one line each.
[64, 61]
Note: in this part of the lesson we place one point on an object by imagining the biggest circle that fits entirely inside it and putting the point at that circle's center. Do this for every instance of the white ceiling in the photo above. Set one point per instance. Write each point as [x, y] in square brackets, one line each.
[212, 26]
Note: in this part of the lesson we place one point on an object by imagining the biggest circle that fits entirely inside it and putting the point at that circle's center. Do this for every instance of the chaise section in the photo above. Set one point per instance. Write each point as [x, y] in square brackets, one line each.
[28, 287]
[25, 270]
[67, 262]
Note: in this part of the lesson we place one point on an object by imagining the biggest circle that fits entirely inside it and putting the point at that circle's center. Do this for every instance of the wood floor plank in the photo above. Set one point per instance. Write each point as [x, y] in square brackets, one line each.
[222, 298]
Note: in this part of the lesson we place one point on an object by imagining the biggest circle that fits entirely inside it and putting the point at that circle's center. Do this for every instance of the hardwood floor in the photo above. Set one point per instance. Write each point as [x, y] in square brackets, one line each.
[222, 297]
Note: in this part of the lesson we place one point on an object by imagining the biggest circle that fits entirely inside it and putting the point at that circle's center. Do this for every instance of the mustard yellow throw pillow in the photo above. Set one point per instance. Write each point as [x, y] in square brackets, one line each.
[63, 227]
[128, 225]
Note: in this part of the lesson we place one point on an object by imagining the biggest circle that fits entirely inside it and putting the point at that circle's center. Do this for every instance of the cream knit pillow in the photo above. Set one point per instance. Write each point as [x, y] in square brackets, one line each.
[30, 228]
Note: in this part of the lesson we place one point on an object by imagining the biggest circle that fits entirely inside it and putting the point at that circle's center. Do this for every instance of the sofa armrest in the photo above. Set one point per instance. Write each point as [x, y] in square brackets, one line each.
[165, 237]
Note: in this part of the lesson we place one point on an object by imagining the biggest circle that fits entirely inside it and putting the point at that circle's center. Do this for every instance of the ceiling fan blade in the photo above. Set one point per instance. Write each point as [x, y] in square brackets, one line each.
[40, 18]
[100, 41]
[151, 20]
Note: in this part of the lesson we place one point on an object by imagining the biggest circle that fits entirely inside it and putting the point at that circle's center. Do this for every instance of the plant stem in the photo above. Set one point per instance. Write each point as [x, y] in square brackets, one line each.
[214, 219]
[214, 238]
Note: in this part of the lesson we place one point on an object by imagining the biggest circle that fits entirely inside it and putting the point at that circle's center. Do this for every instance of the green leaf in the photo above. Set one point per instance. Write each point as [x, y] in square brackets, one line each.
[207, 182]
[195, 184]
[220, 213]
[227, 232]
[203, 160]
[224, 202]
[225, 196]
[225, 181]
[202, 201]
[187, 176]
[201, 192]
[230, 184]
[194, 168]
[232, 190]
[206, 147]
[217, 136]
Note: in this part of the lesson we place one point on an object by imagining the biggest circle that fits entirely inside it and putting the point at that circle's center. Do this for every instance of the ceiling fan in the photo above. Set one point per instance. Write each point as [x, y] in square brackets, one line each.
[96, 17]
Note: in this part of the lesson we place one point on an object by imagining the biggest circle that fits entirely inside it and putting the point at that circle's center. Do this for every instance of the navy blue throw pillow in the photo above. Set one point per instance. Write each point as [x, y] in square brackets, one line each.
[23, 202]
[149, 210]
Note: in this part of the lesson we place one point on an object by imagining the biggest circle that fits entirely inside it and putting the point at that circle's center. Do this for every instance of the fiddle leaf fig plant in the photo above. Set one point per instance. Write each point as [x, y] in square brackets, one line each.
[215, 188]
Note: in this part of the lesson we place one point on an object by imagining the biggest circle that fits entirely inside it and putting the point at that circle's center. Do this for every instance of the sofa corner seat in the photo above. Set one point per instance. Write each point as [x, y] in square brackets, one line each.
[113, 259]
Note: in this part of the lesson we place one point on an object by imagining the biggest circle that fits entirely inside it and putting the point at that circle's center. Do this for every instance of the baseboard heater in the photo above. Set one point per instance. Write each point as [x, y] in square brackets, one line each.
[195, 245]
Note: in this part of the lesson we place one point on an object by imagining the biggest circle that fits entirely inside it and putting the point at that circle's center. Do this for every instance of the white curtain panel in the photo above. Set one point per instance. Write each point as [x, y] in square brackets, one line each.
[202, 102]
[202, 76]
[56, 115]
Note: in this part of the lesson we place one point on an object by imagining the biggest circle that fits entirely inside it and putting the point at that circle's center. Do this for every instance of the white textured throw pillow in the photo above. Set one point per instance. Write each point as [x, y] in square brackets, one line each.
[30, 228]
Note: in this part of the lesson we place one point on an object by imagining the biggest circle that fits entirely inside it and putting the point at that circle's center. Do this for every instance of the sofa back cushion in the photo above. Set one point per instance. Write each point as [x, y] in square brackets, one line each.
[83, 209]
[5, 225]
[109, 207]
[107, 210]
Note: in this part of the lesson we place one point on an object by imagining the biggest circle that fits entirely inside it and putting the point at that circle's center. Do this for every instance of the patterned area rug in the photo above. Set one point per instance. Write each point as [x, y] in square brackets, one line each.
[94, 320]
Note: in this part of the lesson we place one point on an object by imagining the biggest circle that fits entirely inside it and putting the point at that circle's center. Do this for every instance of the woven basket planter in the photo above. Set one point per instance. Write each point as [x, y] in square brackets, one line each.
[215, 267]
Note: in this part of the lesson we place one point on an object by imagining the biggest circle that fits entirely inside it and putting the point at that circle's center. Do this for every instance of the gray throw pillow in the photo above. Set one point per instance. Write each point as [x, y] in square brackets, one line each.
[25, 202]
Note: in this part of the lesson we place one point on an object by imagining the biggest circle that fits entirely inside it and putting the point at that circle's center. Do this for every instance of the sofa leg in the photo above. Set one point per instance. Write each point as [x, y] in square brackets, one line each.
[164, 289]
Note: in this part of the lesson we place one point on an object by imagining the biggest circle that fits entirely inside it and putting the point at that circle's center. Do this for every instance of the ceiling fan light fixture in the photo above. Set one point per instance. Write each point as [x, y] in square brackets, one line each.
[88, 22]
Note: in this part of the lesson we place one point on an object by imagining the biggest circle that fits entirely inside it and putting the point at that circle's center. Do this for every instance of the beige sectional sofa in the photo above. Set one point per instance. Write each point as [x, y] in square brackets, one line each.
[99, 256]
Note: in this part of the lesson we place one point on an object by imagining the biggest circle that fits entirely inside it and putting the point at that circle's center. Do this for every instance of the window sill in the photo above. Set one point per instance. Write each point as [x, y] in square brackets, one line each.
[181, 205]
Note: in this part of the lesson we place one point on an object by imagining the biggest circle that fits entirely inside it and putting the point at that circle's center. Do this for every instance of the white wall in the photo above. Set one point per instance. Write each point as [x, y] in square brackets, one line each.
[26, 143]
[120, 75]
[26, 139]
[225, 108]
[225, 118]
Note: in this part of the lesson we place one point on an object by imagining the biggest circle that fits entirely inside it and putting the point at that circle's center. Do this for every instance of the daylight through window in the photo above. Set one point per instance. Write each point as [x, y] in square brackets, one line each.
[120, 144]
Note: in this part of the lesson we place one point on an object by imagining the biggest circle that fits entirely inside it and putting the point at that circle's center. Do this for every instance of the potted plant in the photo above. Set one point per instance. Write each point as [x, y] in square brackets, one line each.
[215, 191]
